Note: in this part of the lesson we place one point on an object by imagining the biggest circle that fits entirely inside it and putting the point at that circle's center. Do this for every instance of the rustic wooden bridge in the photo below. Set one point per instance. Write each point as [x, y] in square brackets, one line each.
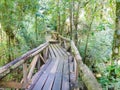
[54, 65]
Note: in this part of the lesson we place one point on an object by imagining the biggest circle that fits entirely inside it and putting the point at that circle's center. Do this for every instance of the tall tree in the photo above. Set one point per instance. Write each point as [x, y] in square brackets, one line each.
[59, 17]
[89, 30]
[75, 19]
[116, 40]
[71, 18]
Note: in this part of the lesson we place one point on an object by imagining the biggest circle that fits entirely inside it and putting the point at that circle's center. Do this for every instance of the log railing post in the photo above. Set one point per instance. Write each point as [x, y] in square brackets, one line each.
[38, 63]
[25, 75]
[65, 44]
[35, 59]
[85, 73]
[46, 53]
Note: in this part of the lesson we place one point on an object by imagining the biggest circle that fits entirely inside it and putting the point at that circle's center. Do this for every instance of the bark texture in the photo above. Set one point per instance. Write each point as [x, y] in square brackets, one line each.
[116, 40]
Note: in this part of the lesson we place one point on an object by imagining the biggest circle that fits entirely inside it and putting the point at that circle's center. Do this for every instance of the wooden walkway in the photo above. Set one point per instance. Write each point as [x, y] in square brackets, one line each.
[57, 73]
[49, 67]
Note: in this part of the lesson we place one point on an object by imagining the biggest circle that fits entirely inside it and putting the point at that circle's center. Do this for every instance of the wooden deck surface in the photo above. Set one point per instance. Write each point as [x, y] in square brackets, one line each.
[56, 73]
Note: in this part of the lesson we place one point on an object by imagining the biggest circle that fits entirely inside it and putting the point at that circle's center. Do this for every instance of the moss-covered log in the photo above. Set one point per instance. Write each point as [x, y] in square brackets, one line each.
[85, 73]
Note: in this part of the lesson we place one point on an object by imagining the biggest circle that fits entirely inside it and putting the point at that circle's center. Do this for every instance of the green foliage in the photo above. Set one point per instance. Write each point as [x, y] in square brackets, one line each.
[17, 20]
[110, 76]
[22, 21]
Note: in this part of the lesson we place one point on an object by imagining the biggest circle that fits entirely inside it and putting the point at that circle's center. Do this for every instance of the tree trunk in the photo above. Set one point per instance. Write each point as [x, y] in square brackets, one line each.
[88, 35]
[116, 40]
[76, 16]
[59, 18]
[71, 18]
[36, 31]
[1, 35]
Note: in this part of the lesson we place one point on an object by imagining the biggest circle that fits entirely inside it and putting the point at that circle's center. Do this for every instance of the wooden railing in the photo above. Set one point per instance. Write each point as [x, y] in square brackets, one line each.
[85, 73]
[39, 56]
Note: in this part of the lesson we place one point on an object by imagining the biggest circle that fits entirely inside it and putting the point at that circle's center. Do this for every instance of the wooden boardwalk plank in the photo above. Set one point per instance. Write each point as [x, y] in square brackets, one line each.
[58, 77]
[57, 50]
[44, 76]
[38, 74]
[72, 72]
[51, 52]
[60, 73]
[49, 83]
[54, 50]
[63, 52]
[66, 78]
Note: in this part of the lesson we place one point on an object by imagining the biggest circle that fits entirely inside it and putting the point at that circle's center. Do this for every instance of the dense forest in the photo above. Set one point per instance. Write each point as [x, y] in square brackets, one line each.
[93, 25]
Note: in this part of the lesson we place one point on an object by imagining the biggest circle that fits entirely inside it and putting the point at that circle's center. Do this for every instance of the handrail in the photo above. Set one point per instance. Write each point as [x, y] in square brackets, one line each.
[18, 61]
[85, 73]
[66, 39]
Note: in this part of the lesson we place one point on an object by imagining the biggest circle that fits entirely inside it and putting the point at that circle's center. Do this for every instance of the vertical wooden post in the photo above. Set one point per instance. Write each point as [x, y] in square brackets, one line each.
[65, 45]
[25, 75]
[38, 63]
[46, 53]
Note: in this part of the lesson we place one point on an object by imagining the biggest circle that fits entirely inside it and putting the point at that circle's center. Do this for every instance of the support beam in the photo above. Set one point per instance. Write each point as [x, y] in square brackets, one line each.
[25, 80]
[35, 59]
[42, 58]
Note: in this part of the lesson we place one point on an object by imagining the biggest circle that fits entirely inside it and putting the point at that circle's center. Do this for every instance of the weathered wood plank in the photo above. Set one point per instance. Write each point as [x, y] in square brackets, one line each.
[38, 74]
[25, 80]
[31, 68]
[40, 83]
[68, 53]
[17, 62]
[45, 54]
[49, 83]
[42, 58]
[39, 50]
[58, 76]
[60, 54]
[76, 68]
[52, 53]
[35, 59]
[65, 45]
[54, 49]
[63, 38]
[66, 78]
[72, 73]
[49, 54]
[63, 53]
[85, 73]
